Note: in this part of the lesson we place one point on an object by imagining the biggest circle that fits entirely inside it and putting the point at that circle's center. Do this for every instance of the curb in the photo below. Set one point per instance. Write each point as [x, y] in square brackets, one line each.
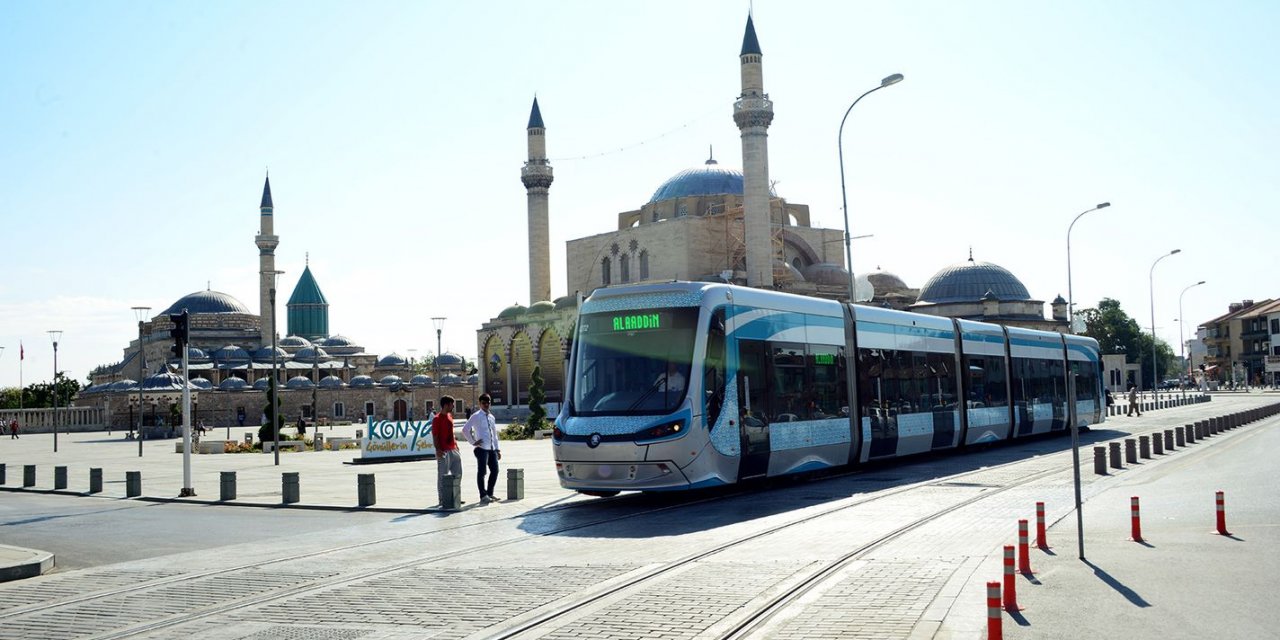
[232, 503]
[36, 562]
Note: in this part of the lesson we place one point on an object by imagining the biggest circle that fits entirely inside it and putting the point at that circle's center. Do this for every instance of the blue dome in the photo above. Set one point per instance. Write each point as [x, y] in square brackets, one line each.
[294, 342]
[450, 379]
[164, 381]
[231, 353]
[473, 378]
[201, 383]
[331, 382]
[207, 302]
[421, 380]
[310, 354]
[361, 381]
[970, 281]
[262, 384]
[233, 384]
[123, 385]
[708, 180]
[299, 382]
[393, 360]
[390, 380]
[196, 355]
[264, 355]
[449, 360]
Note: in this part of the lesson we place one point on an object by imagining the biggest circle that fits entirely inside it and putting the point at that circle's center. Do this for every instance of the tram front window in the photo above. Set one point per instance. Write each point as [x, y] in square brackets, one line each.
[633, 362]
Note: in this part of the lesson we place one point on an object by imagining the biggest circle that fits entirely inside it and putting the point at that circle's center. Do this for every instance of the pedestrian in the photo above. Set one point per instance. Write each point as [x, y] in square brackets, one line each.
[1133, 401]
[302, 426]
[448, 460]
[1111, 400]
[13, 429]
[482, 432]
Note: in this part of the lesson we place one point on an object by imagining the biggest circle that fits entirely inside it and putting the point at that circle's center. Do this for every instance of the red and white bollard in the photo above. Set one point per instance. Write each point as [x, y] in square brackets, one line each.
[1010, 588]
[1042, 540]
[1024, 554]
[1222, 514]
[995, 630]
[1136, 534]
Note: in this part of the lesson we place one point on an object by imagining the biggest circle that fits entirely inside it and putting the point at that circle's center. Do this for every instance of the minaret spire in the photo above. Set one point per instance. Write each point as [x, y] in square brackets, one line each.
[753, 112]
[267, 242]
[536, 176]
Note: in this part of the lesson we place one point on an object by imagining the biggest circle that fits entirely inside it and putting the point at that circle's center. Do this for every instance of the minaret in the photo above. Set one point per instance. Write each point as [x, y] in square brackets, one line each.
[536, 176]
[753, 112]
[266, 241]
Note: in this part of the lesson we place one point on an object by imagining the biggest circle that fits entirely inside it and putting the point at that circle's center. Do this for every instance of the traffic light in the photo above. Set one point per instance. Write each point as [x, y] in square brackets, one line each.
[180, 332]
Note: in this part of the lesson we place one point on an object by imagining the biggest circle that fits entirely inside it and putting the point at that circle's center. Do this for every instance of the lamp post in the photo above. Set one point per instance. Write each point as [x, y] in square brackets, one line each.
[1182, 337]
[1151, 282]
[141, 314]
[275, 364]
[439, 323]
[1070, 295]
[54, 336]
[844, 196]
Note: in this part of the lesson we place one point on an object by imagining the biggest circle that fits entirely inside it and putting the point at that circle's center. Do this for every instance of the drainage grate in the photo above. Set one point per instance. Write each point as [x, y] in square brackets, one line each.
[307, 633]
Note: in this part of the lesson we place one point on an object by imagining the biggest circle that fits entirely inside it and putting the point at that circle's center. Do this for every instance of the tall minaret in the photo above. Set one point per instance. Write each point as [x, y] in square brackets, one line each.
[536, 176]
[753, 112]
[266, 241]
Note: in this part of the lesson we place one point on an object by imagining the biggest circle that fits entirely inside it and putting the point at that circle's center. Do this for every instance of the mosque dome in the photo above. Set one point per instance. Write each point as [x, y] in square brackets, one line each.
[449, 360]
[361, 381]
[123, 385]
[970, 281]
[196, 355]
[421, 380]
[262, 384]
[206, 302]
[201, 383]
[264, 354]
[164, 381]
[335, 341]
[566, 302]
[331, 382]
[886, 282]
[473, 378]
[542, 306]
[513, 311]
[294, 342]
[390, 380]
[299, 382]
[450, 379]
[707, 180]
[231, 353]
[310, 354]
[392, 360]
[233, 384]
[826, 273]
[785, 272]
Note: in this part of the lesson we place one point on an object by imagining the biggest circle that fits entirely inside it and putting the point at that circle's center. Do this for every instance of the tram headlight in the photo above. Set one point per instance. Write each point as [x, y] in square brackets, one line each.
[662, 431]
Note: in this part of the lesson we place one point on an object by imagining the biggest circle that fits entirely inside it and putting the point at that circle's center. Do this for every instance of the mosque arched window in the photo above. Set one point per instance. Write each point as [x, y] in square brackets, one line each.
[604, 272]
[644, 265]
[624, 267]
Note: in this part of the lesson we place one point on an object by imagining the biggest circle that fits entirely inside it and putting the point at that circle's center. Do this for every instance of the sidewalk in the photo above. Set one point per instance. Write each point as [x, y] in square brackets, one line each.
[17, 563]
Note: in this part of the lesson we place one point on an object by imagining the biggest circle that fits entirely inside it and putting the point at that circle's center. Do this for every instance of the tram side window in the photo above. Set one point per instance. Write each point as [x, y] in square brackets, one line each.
[1023, 384]
[871, 379]
[788, 388]
[1086, 381]
[986, 380]
[1057, 381]
[828, 389]
[939, 381]
[713, 378]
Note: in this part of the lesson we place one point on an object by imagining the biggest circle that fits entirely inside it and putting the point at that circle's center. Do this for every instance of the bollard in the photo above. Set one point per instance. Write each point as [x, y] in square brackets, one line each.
[1144, 446]
[1202, 430]
[227, 483]
[1191, 433]
[132, 484]
[1179, 437]
[2, 473]
[452, 493]
[1115, 454]
[1024, 554]
[289, 490]
[1010, 588]
[1042, 540]
[515, 484]
[359, 433]
[248, 438]
[1221, 499]
[1130, 451]
[1100, 461]
[1168, 439]
[59, 478]
[1136, 529]
[993, 612]
[366, 492]
[95, 480]
[318, 443]
[28, 475]
[1157, 443]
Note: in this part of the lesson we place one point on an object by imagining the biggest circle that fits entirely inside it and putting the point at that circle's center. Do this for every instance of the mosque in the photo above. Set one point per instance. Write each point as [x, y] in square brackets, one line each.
[320, 375]
[714, 224]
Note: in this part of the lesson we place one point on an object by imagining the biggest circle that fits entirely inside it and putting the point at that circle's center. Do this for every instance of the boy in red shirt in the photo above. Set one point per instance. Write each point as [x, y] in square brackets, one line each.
[448, 461]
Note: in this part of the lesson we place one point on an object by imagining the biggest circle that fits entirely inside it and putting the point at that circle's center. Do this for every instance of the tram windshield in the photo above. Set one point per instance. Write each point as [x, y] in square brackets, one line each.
[633, 362]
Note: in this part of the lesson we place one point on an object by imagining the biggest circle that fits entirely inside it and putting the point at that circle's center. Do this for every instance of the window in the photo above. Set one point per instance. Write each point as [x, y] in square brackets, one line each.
[986, 381]
[1275, 326]
[682, 210]
[644, 267]
[368, 409]
[339, 410]
[605, 270]
[624, 267]
[713, 376]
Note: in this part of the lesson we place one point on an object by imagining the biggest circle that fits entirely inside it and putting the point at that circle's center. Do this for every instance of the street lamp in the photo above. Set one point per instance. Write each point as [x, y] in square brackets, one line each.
[141, 314]
[1182, 337]
[439, 323]
[1070, 296]
[1155, 376]
[54, 336]
[844, 196]
[275, 364]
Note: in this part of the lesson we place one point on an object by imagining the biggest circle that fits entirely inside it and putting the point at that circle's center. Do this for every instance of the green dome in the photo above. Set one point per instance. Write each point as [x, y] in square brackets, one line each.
[513, 311]
[543, 306]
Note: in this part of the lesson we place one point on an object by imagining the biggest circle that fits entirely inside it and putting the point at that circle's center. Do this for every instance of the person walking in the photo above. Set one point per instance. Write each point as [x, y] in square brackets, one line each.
[13, 429]
[482, 432]
[448, 460]
[1133, 401]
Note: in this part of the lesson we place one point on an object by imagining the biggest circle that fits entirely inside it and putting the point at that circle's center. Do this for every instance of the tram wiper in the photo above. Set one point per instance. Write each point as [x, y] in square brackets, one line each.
[645, 396]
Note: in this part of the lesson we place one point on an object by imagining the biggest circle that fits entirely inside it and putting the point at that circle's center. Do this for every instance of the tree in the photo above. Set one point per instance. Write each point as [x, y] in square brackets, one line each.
[39, 395]
[273, 417]
[537, 396]
[1116, 332]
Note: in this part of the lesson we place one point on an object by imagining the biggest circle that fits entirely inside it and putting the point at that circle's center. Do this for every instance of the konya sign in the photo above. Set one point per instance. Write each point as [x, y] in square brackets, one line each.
[398, 439]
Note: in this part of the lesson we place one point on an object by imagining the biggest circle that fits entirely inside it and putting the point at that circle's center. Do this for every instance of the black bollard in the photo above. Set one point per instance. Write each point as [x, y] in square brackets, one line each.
[1157, 443]
[95, 480]
[227, 483]
[1130, 451]
[132, 484]
[1180, 436]
[1168, 439]
[59, 478]
[28, 475]
[515, 484]
[1144, 446]
[1115, 455]
[1100, 461]
[366, 492]
[289, 490]
[452, 493]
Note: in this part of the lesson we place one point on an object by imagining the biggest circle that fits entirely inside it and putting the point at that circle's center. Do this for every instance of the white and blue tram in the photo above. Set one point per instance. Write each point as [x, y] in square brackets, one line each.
[683, 385]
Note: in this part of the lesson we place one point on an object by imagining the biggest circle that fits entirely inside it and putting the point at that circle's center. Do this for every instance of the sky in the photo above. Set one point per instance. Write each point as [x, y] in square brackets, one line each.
[134, 138]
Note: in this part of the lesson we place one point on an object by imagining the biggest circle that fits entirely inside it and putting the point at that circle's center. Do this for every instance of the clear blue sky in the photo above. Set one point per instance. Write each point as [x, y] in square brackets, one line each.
[135, 137]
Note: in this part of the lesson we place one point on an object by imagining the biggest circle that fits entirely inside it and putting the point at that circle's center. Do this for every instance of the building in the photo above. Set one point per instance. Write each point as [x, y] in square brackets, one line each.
[1238, 342]
[989, 293]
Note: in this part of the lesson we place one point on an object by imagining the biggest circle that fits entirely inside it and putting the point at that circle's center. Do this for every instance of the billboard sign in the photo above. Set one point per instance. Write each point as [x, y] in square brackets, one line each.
[397, 439]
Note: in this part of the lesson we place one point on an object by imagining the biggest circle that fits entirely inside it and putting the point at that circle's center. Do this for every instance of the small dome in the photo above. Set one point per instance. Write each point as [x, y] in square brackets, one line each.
[262, 384]
[513, 311]
[123, 385]
[447, 359]
[707, 180]
[361, 381]
[450, 379]
[310, 355]
[886, 282]
[784, 272]
[331, 382]
[293, 342]
[473, 379]
[826, 273]
[543, 306]
[233, 384]
[392, 360]
[264, 354]
[390, 380]
[335, 341]
[231, 353]
[201, 383]
[969, 281]
[421, 380]
[206, 302]
[196, 355]
[299, 382]
[1059, 300]
[566, 302]
[164, 381]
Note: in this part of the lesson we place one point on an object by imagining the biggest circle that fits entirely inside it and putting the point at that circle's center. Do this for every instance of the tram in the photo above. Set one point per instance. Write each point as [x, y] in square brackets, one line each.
[683, 385]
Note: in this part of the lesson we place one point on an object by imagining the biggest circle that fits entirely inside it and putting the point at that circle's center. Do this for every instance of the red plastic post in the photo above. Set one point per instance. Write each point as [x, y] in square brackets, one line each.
[1222, 514]
[1136, 534]
[1042, 540]
[1024, 554]
[995, 629]
[1010, 588]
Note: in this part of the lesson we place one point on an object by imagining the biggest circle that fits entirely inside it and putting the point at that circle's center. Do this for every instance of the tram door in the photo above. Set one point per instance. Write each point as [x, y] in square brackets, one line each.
[753, 414]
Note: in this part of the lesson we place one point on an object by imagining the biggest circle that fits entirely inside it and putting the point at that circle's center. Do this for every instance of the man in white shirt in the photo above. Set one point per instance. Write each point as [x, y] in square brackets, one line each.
[482, 432]
[672, 381]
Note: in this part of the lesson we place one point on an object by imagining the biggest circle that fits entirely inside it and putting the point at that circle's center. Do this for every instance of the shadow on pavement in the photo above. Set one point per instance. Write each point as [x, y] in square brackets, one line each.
[1110, 581]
